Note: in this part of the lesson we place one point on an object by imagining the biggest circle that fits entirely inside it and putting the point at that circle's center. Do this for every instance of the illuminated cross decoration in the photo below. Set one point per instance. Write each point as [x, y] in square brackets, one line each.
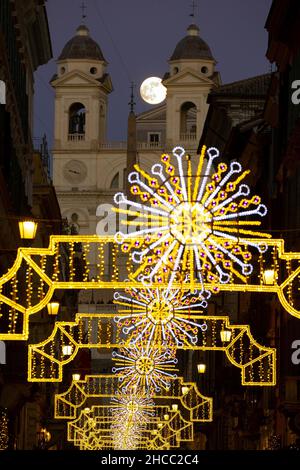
[83, 9]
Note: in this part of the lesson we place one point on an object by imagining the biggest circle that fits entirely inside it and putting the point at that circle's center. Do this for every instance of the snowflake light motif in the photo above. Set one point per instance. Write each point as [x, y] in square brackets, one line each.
[159, 316]
[131, 405]
[196, 224]
[146, 367]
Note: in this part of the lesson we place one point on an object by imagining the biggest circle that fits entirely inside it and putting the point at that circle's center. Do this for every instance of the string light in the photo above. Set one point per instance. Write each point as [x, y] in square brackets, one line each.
[27, 257]
[196, 238]
[71, 260]
[98, 429]
[68, 404]
[240, 341]
[3, 430]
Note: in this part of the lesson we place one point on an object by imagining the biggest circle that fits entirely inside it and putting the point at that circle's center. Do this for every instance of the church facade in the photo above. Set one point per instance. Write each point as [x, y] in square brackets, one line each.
[87, 169]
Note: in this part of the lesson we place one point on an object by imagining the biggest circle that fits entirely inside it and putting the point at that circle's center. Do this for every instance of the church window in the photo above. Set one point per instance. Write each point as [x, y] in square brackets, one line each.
[188, 120]
[204, 70]
[62, 70]
[77, 113]
[175, 70]
[93, 70]
[74, 225]
[154, 139]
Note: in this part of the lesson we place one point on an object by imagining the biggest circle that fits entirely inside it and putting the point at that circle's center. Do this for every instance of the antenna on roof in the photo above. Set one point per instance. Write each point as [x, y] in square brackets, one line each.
[83, 10]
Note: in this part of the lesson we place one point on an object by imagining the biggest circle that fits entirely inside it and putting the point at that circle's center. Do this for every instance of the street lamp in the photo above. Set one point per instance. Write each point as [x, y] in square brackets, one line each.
[67, 350]
[184, 390]
[174, 407]
[53, 308]
[75, 377]
[269, 277]
[225, 336]
[44, 436]
[201, 368]
[27, 229]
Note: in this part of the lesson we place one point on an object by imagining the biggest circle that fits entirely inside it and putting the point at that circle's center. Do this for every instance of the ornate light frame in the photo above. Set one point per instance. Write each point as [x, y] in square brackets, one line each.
[15, 324]
[46, 360]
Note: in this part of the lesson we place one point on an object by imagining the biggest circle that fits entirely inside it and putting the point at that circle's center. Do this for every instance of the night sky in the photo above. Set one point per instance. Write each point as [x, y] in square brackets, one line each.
[137, 37]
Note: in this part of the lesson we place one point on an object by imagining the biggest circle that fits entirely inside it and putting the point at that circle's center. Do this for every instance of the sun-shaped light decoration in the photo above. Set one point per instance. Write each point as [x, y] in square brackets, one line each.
[131, 405]
[196, 224]
[159, 316]
[147, 367]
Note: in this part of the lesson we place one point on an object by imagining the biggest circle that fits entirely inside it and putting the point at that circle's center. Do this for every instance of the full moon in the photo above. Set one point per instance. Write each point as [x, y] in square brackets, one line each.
[153, 91]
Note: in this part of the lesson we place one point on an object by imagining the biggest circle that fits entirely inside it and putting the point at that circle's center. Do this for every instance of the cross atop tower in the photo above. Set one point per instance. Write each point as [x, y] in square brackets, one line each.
[132, 102]
[194, 7]
[83, 10]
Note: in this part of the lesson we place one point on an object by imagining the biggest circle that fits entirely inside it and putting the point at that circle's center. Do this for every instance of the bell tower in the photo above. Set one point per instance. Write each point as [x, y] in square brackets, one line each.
[81, 86]
[190, 78]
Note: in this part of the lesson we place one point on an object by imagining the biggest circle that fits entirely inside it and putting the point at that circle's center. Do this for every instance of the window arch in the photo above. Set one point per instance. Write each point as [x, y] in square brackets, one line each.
[188, 118]
[77, 114]
[115, 182]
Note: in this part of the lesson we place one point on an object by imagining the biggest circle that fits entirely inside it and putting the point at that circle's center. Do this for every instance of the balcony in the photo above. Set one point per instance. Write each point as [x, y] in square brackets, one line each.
[76, 137]
[123, 145]
[188, 137]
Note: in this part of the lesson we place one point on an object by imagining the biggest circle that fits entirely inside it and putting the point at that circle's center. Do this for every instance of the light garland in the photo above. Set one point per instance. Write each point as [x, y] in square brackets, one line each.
[3, 430]
[97, 429]
[16, 327]
[237, 349]
[69, 404]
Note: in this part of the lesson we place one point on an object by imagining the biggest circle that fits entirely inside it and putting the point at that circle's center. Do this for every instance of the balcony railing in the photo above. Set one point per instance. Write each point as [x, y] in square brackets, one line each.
[123, 145]
[186, 137]
[76, 137]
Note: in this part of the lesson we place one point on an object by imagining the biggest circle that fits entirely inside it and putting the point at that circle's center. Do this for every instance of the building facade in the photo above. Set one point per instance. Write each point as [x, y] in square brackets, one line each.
[88, 169]
[26, 191]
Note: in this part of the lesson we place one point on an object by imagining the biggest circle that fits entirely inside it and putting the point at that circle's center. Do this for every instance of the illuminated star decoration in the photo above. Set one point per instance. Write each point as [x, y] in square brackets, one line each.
[146, 367]
[196, 224]
[132, 405]
[159, 316]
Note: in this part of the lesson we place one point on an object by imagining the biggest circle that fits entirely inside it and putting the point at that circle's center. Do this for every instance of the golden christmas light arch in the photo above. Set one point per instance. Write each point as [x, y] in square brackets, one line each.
[46, 360]
[41, 267]
[195, 235]
[193, 406]
[93, 428]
